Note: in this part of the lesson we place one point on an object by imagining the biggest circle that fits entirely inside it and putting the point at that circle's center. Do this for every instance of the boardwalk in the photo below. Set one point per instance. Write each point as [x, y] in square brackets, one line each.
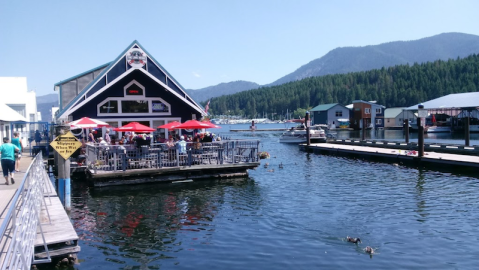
[58, 232]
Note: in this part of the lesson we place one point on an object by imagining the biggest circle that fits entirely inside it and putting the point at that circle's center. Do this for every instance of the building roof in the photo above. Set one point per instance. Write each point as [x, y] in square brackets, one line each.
[372, 103]
[451, 101]
[8, 114]
[323, 107]
[12, 88]
[81, 97]
[393, 112]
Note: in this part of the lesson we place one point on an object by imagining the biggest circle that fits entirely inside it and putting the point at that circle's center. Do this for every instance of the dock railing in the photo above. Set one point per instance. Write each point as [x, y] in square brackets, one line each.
[22, 221]
[159, 155]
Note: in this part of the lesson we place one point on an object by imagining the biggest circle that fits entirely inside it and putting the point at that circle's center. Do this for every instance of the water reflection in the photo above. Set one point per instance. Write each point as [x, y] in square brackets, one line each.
[421, 202]
[149, 223]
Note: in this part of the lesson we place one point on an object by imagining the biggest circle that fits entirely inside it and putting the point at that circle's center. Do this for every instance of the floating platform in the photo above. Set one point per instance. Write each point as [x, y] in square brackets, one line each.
[168, 174]
[263, 129]
[444, 161]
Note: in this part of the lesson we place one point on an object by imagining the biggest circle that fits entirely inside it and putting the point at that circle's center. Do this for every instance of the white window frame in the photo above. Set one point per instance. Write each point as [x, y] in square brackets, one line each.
[379, 121]
[367, 110]
[378, 110]
[133, 98]
[339, 113]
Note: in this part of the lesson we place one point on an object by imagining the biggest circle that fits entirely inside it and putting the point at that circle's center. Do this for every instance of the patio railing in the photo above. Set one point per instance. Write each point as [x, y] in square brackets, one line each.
[159, 155]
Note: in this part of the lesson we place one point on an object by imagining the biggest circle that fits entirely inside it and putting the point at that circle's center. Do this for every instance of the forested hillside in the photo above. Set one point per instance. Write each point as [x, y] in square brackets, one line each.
[396, 86]
[354, 59]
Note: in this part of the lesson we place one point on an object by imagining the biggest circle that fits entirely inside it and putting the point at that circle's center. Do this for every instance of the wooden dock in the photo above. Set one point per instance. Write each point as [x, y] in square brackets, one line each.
[446, 161]
[262, 129]
[60, 236]
[169, 174]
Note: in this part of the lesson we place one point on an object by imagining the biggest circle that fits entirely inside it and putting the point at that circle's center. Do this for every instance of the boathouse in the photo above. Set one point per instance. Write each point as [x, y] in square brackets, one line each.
[329, 114]
[132, 87]
[368, 114]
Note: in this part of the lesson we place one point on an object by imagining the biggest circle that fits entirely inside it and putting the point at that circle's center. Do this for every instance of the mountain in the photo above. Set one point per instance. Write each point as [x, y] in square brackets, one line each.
[45, 104]
[221, 89]
[353, 59]
[47, 98]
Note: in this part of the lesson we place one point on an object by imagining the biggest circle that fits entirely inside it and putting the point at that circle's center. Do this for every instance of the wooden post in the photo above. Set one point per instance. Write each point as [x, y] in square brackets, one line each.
[420, 135]
[363, 135]
[64, 188]
[466, 130]
[406, 129]
[306, 123]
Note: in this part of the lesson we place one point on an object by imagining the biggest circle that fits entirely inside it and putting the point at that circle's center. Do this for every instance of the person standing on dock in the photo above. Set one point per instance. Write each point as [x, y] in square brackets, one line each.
[18, 143]
[107, 136]
[7, 150]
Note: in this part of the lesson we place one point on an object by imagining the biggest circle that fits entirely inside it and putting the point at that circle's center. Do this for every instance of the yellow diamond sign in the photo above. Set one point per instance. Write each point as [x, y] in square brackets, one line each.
[66, 145]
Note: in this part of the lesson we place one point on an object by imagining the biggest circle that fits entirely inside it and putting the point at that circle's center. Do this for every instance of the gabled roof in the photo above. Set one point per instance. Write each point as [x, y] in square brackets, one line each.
[323, 107]
[451, 101]
[368, 102]
[393, 112]
[8, 114]
[72, 105]
[81, 74]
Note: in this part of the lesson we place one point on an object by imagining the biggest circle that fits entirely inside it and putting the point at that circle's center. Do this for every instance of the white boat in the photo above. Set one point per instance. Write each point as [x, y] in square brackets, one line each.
[438, 129]
[298, 135]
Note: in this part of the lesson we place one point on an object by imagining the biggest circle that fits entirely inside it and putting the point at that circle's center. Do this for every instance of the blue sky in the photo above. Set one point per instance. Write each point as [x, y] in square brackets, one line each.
[204, 43]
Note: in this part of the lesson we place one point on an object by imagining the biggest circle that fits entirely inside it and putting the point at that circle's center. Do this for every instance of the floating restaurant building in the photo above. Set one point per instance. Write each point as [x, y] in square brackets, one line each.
[132, 88]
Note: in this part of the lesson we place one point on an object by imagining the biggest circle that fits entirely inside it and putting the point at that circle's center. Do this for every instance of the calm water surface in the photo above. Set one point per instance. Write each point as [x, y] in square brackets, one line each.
[293, 218]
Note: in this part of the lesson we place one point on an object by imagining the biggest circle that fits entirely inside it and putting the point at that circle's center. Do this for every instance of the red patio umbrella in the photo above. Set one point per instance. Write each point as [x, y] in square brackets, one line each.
[86, 122]
[193, 124]
[134, 127]
[170, 125]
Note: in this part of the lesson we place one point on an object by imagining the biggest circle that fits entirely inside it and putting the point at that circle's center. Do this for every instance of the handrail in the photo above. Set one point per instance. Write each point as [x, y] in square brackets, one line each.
[159, 155]
[23, 219]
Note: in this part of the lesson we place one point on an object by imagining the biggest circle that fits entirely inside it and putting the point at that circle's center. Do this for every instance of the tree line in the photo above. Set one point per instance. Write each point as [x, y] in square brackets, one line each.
[398, 86]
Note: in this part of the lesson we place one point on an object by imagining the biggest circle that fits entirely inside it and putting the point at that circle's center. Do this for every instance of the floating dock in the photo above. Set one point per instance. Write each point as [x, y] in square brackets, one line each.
[464, 163]
[168, 174]
[54, 230]
[263, 129]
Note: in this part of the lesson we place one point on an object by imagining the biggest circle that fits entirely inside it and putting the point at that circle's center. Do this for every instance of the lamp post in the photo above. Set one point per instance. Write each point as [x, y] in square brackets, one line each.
[306, 123]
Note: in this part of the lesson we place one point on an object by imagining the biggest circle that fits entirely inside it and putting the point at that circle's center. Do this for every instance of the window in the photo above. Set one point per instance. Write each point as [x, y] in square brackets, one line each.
[378, 110]
[159, 106]
[339, 113]
[134, 106]
[367, 110]
[110, 106]
[379, 121]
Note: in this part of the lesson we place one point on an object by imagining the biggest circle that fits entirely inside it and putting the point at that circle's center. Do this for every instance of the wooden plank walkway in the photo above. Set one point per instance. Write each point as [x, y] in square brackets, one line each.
[444, 160]
[60, 235]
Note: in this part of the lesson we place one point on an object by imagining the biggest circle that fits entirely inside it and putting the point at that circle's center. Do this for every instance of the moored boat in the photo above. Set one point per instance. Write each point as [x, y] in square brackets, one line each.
[298, 134]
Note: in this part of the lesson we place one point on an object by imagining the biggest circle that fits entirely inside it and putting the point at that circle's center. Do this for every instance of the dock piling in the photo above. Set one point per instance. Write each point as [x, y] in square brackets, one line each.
[64, 187]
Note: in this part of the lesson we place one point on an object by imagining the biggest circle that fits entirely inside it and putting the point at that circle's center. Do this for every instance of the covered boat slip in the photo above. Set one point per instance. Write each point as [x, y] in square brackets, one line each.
[118, 164]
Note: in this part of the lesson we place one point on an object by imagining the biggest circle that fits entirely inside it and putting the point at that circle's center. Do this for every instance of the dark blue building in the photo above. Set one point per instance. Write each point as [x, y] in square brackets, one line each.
[133, 87]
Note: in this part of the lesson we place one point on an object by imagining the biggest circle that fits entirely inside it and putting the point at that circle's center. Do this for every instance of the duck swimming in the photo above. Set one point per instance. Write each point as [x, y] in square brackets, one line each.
[281, 165]
[353, 240]
[266, 165]
[369, 250]
[272, 170]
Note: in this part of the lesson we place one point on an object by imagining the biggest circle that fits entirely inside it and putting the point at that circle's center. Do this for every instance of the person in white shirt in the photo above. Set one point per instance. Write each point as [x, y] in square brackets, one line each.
[107, 136]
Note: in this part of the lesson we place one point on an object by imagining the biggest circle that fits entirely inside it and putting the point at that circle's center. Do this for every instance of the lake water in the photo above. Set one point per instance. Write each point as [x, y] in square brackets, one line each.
[297, 217]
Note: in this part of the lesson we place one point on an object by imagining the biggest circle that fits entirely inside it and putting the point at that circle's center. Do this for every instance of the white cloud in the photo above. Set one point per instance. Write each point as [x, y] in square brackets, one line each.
[196, 74]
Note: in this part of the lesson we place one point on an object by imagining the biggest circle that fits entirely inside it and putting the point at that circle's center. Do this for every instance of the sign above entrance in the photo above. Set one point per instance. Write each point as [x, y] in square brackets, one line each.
[66, 145]
[136, 58]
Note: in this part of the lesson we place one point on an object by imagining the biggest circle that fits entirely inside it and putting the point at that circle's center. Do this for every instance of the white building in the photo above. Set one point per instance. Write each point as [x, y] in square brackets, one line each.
[14, 94]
